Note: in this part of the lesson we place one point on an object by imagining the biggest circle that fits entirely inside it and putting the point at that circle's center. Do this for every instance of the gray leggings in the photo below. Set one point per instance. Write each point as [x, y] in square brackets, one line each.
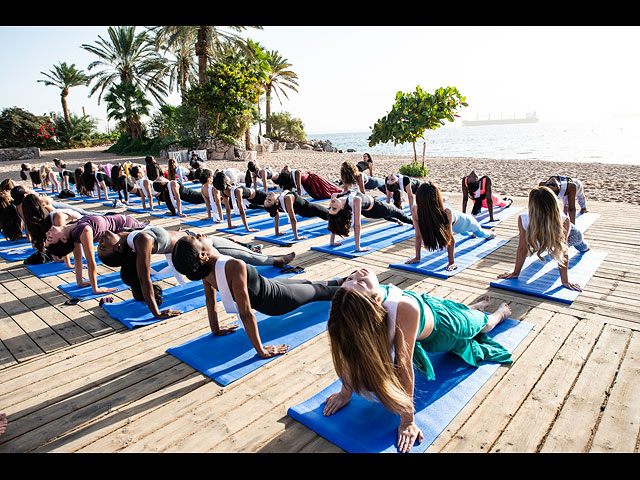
[232, 249]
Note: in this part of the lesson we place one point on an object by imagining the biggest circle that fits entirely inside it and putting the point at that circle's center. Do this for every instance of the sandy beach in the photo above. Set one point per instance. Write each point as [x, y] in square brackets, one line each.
[514, 178]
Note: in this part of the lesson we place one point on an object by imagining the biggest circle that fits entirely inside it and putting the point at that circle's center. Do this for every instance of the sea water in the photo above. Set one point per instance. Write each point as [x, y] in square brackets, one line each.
[615, 140]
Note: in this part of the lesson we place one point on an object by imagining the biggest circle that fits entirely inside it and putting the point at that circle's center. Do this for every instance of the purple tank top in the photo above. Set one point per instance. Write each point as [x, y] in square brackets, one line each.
[101, 223]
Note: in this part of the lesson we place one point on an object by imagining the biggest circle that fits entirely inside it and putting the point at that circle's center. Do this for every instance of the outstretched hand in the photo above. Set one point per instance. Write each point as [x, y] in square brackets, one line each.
[408, 434]
[335, 402]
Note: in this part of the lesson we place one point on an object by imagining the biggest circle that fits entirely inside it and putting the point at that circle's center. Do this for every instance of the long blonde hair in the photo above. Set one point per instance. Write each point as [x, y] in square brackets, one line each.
[545, 232]
[44, 177]
[359, 340]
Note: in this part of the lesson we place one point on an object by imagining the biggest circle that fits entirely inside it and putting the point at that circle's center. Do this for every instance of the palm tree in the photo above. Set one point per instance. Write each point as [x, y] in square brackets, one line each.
[127, 57]
[182, 68]
[278, 79]
[126, 103]
[64, 77]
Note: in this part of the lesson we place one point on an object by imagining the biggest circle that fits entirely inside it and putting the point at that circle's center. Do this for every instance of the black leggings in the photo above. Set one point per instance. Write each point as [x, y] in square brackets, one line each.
[277, 296]
[388, 211]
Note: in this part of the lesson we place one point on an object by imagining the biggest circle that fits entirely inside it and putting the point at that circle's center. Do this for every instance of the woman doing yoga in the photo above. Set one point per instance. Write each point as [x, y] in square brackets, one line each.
[398, 185]
[174, 193]
[292, 204]
[211, 196]
[546, 229]
[348, 207]
[132, 250]
[480, 191]
[243, 289]
[235, 198]
[435, 224]
[379, 333]
[317, 187]
[80, 235]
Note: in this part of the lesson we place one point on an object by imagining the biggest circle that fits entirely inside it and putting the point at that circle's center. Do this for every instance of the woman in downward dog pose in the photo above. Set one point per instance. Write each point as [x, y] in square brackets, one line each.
[379, 333]
[348, 207]
[292, 204]
[435, 224]
[243, 289]
[546, 229]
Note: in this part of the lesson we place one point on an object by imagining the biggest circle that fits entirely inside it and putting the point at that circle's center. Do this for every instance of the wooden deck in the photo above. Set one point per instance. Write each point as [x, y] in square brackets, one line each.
[74, 380]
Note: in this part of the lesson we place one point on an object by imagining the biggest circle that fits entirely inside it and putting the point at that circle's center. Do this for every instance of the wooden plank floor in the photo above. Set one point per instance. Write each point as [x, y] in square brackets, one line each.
[74, 380]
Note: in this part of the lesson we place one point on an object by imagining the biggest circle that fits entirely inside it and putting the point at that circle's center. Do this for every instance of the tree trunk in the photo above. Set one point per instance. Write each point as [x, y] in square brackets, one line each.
[202, 52]
[65, 108]
[415, 155]
[268, 109]
[424, 149]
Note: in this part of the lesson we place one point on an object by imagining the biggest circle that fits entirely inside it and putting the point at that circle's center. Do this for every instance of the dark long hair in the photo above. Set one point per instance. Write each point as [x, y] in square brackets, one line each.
[37, 220]
[432, 217]
[153, 169]
[285, 181]
[339, 223]
[10, 221]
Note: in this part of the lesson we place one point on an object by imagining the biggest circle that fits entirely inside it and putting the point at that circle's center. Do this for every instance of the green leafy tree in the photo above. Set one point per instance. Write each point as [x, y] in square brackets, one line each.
[127, 57]
[230, 92]
[286, 128]
[279, 79]
[414, 113]
[207, 41]
[126, 103]
[65, 77]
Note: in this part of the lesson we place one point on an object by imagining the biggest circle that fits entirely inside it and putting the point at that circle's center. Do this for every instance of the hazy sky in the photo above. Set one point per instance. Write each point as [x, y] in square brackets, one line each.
[348, 75]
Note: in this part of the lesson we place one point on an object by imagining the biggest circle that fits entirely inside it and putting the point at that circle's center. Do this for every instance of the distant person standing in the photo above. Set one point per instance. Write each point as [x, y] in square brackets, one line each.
[569, 190]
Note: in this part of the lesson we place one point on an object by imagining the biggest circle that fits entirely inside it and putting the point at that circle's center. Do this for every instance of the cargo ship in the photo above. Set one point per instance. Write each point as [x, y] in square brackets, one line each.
[529, 118]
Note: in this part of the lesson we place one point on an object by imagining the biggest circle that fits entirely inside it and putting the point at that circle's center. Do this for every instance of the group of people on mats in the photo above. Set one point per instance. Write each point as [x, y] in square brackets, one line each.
[378, 333]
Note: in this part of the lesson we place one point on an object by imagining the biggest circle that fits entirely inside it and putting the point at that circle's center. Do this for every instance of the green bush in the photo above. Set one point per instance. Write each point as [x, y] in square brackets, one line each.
[414, 169]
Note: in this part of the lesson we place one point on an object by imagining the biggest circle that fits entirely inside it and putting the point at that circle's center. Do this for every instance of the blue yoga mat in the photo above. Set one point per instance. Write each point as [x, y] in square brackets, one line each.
[109, 280]
[249, 212]
[312, 230]
[13, 244]
[468, 251]
[542, 279]
[17, 254]
[264, 224]
[585, 220]
[375, 239]
[133, 313]
[229, 357]
[187, 209]
[55, 268]
[156, 208]
[365, 426]
[499, 215]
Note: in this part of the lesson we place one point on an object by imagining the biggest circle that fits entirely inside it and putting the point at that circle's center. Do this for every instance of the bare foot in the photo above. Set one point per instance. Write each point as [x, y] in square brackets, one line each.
[283, 260]
[496, 317]
[481, 302]
[3, 422]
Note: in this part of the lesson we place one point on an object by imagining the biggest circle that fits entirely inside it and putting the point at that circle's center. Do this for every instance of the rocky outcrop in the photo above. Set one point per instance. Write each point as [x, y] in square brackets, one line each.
[28, 153]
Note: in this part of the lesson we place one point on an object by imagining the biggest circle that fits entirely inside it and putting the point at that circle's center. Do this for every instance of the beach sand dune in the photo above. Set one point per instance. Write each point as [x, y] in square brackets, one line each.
[602, 181]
